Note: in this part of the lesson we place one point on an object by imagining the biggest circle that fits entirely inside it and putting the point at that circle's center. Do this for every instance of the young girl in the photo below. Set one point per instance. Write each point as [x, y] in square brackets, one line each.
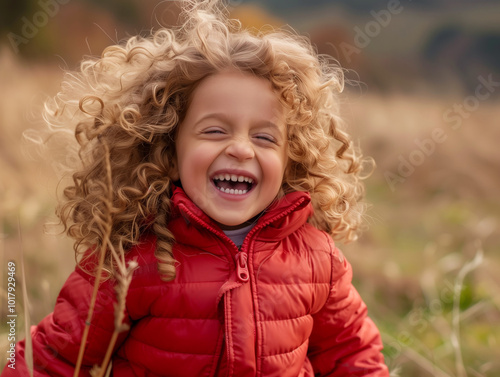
[214, 163]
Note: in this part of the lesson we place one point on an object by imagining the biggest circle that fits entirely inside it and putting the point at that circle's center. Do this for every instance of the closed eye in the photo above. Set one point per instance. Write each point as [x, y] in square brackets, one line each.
[268, 138]
[213, 132]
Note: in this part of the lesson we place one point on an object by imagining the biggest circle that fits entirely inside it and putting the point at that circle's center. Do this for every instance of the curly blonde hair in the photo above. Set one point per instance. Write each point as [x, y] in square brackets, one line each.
[127, 105]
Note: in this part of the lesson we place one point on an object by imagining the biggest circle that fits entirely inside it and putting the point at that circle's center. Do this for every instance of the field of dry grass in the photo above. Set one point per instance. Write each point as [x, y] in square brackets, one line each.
[439, 314]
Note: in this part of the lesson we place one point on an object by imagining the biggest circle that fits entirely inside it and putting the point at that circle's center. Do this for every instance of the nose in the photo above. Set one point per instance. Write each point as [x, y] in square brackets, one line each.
[240, 149]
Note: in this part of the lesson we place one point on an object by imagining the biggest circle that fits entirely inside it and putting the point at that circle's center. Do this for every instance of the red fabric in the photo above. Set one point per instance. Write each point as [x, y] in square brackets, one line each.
[297, 314]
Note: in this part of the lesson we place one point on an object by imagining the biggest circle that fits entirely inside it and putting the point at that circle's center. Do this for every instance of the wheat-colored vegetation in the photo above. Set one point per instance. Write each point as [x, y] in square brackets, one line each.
[427, 267]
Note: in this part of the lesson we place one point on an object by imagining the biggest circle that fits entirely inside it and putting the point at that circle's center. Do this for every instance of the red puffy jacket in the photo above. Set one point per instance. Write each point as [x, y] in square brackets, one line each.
[282, 306]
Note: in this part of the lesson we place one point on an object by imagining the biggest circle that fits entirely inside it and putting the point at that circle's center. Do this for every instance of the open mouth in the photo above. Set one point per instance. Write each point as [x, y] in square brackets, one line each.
[233, 184]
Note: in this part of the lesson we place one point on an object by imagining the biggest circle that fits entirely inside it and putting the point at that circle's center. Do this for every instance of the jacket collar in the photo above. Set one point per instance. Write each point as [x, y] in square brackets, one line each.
[189, 223]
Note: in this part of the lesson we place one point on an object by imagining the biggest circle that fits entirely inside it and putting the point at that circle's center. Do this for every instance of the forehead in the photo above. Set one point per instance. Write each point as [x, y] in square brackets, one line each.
[236, 93]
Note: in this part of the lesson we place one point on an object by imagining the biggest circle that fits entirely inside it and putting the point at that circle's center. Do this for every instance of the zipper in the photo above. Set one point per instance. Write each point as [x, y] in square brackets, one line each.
[242, 266]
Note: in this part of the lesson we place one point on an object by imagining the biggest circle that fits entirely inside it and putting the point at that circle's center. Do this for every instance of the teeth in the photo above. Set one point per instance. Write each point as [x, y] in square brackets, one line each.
[233, 191]
[233, 178]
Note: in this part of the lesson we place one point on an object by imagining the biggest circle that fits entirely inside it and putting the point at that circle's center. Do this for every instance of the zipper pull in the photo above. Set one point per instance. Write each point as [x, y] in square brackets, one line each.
[242, 266]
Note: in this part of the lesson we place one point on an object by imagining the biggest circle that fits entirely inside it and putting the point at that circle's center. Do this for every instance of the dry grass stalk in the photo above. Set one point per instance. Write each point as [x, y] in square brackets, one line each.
[417, 358]
[90, 312]
[124, 279]
[106, 226]
[110, 367]
[455, 336]
[123, 276]
[94, 372]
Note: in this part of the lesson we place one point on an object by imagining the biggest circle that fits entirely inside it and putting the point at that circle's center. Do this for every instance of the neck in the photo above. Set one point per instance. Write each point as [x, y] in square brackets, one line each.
[251, 221]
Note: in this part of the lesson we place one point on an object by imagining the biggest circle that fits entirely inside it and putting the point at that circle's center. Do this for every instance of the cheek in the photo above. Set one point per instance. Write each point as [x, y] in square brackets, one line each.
[274, 168]
[193, 162]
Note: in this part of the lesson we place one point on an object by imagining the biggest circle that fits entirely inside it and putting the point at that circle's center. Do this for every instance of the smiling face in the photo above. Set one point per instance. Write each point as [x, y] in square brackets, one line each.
[231, 147]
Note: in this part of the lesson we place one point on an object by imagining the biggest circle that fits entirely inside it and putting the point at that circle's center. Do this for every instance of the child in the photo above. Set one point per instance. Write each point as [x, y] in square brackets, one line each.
[215, 161]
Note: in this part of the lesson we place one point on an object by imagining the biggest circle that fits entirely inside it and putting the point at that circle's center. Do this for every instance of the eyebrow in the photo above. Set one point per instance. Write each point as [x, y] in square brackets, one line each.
[223, 117]
[219, 116]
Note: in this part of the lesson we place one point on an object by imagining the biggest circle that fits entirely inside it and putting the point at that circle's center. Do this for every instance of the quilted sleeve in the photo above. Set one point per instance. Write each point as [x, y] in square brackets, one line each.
[56, 339]
[344, 341]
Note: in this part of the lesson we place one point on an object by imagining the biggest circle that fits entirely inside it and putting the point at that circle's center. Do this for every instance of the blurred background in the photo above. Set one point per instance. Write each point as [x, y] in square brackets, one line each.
[422, 98]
